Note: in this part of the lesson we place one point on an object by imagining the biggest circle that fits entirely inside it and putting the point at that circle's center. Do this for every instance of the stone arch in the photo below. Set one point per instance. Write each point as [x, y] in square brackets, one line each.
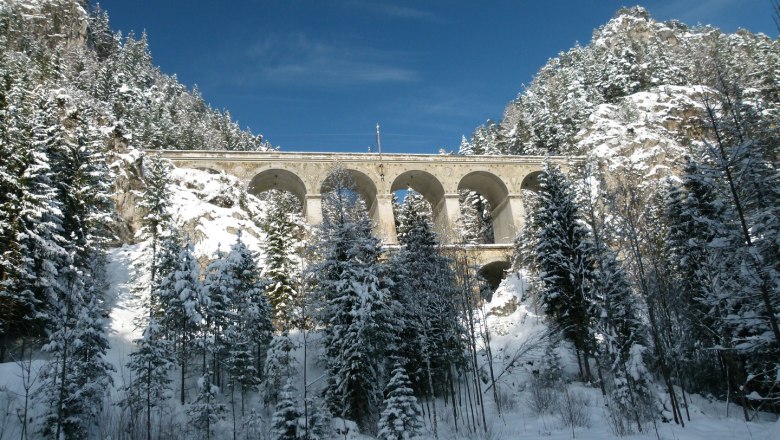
[495, 191]
[531, 181]
[277, 178]
[431, 188]
[379, 206]
[493, 273]
[487, 184]
[363, 184]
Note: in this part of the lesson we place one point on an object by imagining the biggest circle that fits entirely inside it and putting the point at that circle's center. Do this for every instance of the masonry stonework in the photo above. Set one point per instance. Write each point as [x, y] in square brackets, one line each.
[501, 179]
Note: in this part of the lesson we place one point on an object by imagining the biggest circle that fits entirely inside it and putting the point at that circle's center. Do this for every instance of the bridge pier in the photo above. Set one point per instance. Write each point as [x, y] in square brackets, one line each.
[446, 215]
[312, 209]
[508, 219]
[384, 220]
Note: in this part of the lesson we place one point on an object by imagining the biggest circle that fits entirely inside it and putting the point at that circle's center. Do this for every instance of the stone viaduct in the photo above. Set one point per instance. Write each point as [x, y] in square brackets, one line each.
[501, 179]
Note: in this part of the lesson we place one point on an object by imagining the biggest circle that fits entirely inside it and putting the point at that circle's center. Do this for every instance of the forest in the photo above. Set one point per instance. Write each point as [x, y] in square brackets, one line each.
[653, 266]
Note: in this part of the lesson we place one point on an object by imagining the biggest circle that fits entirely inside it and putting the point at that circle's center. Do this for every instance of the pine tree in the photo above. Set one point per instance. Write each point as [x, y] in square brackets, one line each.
[280, 366]
[283, 240]
[76, 374]
[76, 377]
[695, 217]
[552, 373]
[30, 217]
[413, 206]
[475, 222]
[564, 259]
[466, 148]
[424, 286]
[156, 205]
[623, 344]
[401, 418]
[351, 285]
[151, 364]
[219, 294]
[251, 305]
[152, 361]
[181, 293]
[285, 419]
[206, 411]
[101, 38]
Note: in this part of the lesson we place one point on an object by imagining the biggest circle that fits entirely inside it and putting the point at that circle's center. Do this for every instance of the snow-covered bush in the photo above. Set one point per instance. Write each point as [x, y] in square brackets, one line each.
[542, 397]
[574, 409]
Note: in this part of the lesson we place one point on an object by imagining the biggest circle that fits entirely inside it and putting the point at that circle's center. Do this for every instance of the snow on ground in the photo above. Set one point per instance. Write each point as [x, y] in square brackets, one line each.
[212, 208]
[645, 131]
[203, 207]
[516, 325]
[126, 308]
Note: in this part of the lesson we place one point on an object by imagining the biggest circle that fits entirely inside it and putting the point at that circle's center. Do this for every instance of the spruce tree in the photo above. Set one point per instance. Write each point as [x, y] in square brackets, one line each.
[181, 292]
[156, 204]
[284, 423]
[76, 373]
[206, 410]
[401, 417]
[151, 364]
[564, 258]
[424, 286]
[30, 216]
[152, 361]
[694, 218]
[352, 287]
[250, 306]
[475, 222]
[623, 343]
[283, 229]
[280, 366]
[76, 376]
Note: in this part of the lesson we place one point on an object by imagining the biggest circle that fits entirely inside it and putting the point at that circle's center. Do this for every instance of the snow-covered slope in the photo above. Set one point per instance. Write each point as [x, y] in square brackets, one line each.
[212, 208]
[518, 337]
[647, 131]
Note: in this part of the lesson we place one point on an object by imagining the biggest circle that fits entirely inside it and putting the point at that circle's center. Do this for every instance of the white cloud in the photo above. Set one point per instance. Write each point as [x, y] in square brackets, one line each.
[298, 58]
[392, 10]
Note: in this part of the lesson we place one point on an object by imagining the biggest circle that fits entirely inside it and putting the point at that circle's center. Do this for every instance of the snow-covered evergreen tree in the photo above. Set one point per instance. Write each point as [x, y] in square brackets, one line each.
[253, 327]
[280, 366]
[156, 205]
[282, 266]
[30, 215]
[401, 417]
[153, 359]
[695, 216]
[475, 223]
[206, 410]
[414, 205]
[424, 286]
[564, 259]
[466, 148]
[284, 423]
[623, 342]
[551, 373]
[181, 292]
[352, 287]
[77, 374]
[151, 364]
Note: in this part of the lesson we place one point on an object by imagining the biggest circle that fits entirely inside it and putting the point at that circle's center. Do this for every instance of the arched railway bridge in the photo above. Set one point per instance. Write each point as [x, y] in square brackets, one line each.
[439, 178]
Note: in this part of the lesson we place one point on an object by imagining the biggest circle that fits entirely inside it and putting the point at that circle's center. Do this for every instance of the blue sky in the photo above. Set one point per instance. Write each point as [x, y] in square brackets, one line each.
[315, 75]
